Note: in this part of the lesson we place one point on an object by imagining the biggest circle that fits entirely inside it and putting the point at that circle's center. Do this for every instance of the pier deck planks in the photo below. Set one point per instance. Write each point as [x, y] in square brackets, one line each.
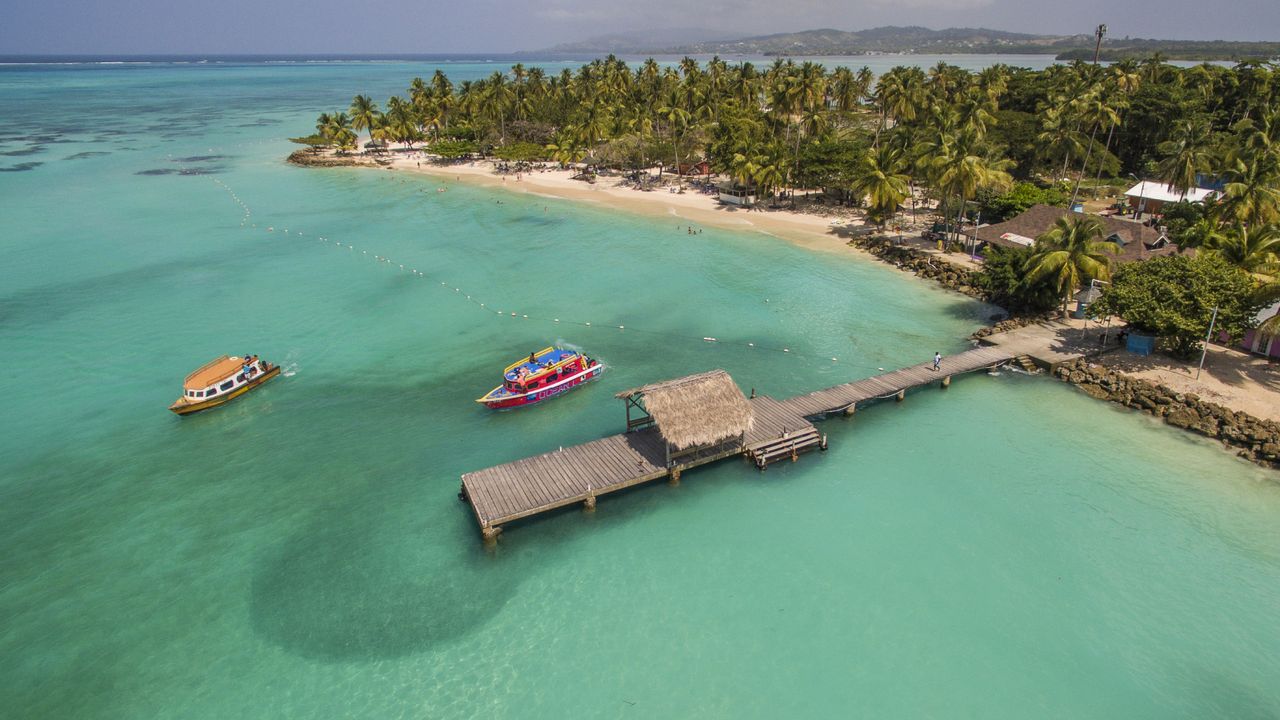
[542, 483]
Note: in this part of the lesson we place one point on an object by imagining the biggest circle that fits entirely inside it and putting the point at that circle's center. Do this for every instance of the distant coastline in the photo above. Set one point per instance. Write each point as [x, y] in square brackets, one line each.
[915, 40]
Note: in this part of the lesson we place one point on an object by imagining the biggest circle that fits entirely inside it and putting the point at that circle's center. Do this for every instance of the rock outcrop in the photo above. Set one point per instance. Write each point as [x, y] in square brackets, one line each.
[1252, 438]
[922, 264]
[307, 158]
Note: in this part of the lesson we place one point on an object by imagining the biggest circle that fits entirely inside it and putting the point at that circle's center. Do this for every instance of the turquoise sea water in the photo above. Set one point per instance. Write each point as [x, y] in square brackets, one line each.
[1006, 548]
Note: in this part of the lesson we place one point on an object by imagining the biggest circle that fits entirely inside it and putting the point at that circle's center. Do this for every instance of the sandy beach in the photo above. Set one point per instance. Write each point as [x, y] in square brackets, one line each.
[691, 208]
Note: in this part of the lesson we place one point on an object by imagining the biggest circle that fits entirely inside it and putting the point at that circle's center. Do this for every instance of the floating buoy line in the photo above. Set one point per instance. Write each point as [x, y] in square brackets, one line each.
[247, 221]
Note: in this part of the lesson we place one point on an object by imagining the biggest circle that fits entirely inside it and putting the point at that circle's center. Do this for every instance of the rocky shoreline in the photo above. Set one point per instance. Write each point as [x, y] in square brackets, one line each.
[922, 264]
[307, 158]
[1250, 437]
[1253, 438]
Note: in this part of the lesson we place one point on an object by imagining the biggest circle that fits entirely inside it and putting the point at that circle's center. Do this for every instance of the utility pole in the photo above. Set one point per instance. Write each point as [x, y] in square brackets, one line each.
[1204, 351]
[1102, 30]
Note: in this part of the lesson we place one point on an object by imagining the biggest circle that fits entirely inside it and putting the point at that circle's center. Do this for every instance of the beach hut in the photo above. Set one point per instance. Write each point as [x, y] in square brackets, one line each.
[734, 194]
[1260, 343]
[697, 416]
[1148, 196]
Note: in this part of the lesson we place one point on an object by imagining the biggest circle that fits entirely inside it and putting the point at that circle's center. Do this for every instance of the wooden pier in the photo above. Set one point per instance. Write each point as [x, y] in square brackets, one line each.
[682, 424]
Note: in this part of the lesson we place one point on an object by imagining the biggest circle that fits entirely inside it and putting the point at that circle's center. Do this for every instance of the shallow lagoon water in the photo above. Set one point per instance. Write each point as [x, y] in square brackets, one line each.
[1004, 548]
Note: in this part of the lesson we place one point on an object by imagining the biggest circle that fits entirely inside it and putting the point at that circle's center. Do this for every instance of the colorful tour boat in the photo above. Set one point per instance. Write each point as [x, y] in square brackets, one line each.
[221, 380]
[544, 374]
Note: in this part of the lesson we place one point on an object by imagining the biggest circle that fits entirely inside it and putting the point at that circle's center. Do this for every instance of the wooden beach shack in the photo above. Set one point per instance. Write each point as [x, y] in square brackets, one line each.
[735, 194]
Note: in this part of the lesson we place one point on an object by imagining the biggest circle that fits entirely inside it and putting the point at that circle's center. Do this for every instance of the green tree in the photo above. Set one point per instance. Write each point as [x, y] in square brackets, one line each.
[880, 178]
[454, 149]
[1004, 280]
[998, 207]
[364, 114]
[1254, 250]
[1186, 156]
[315, 143]
[1174, 296]
[1071, 253]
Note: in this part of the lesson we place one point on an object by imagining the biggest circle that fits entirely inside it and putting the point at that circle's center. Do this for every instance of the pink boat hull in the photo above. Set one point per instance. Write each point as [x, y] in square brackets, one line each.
[536, 396]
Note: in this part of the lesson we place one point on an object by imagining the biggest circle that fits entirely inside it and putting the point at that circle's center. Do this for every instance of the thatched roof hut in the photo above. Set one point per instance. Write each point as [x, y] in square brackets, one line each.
[696, 410]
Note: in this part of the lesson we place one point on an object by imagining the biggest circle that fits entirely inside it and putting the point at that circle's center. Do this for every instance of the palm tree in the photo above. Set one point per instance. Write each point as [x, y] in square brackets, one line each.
[677, 118]
[880, 178]
[744, 169]
[770, 175]
[337, 128]
[1205, 232]
[1096, 111]
[364, 114]
[1186, 156]
[1071, 253]
[962, 167]
[498, 97]
[844, 89]
[1252, 191]
[1255, 250]
[1059, 138]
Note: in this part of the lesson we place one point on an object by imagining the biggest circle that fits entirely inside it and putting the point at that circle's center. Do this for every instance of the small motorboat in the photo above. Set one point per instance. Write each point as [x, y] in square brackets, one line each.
[222, 380]
[542, 375]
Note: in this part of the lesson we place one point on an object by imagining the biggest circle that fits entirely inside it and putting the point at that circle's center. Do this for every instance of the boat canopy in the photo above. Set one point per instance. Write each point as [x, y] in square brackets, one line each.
[213, 372]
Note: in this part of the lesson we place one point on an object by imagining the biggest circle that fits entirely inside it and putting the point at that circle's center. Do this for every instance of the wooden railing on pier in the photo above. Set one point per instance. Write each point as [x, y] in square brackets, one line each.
[581, 473]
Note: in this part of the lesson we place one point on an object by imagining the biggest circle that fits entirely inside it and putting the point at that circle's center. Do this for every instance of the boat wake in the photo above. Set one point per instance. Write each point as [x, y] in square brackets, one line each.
[289, 367]
[561, 342]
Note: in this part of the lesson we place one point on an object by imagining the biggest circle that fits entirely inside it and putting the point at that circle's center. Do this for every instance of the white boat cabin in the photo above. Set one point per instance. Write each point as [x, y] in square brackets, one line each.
[222, 376]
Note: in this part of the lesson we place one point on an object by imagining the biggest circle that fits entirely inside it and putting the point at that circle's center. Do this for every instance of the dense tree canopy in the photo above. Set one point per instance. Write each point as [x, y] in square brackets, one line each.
[1175, 296]
[955, 134]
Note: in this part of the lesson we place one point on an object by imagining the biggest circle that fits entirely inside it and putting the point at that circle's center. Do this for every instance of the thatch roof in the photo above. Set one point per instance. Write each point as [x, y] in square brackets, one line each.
[1137, 241]
[700, 409]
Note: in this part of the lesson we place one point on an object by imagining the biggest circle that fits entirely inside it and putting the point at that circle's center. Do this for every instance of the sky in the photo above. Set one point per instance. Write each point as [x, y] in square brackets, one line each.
[479, 26]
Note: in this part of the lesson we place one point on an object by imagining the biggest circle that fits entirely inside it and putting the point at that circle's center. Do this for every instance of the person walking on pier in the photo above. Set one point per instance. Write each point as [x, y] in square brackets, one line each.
[937, 361]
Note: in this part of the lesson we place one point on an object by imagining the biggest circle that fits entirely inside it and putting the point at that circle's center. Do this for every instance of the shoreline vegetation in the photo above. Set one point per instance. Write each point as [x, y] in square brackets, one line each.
[910, 40]
[904, 167]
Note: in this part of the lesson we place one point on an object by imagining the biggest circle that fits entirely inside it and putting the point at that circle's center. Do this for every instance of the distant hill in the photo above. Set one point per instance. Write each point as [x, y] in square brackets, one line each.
[912, 39]
[638, 43]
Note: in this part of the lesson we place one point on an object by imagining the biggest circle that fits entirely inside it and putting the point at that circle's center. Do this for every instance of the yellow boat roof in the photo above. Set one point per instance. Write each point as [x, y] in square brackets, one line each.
[522, 361]
[213, 372]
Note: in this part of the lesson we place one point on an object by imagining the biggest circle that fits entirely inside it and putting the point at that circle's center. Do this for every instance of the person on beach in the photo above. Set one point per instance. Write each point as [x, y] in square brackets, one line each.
[937, 361]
